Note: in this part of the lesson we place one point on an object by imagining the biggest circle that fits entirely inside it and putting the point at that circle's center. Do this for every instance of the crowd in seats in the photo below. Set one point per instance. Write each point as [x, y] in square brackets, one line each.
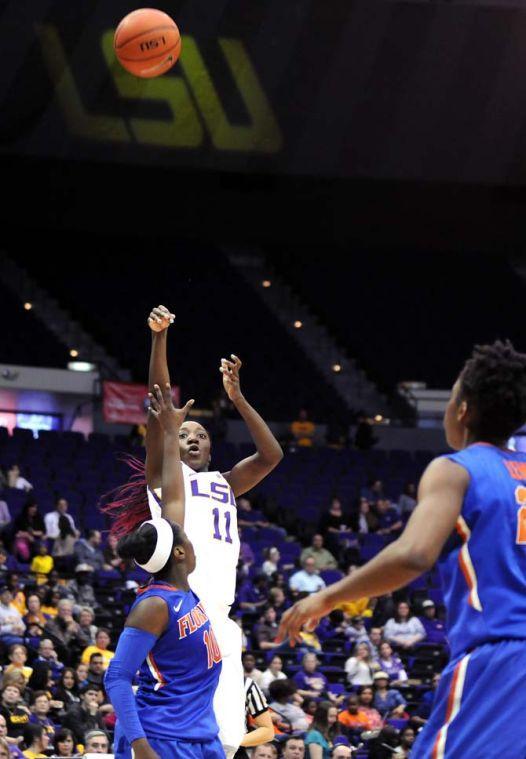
[65, 592]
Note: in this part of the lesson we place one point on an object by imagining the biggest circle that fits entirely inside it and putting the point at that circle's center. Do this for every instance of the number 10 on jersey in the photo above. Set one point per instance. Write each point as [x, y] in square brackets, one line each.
[218, 526]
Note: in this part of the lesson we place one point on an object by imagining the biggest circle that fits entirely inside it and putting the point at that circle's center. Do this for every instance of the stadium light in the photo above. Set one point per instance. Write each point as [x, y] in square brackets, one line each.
[298, 324]
[73, 353]
[378, 418]
[81, 366]
[336, 368]
[28, 306]
[266, 283]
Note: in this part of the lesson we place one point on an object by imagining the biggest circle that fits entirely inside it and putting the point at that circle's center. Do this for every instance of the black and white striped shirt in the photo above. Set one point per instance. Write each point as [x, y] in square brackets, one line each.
[255, 701]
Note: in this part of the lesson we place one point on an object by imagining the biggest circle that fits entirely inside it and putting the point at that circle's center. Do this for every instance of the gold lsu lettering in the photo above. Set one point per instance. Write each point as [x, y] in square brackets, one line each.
[192, 99]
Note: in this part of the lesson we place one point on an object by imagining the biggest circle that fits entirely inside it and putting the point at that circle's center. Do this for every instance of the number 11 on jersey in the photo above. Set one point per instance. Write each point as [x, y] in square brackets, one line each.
[217, 530]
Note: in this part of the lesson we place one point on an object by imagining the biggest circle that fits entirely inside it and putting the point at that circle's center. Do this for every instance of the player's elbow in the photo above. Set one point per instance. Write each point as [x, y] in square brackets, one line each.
[415, 558]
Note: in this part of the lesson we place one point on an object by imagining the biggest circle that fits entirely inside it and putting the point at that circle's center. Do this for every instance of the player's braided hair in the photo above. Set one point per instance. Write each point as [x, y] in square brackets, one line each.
[127, 506]
[493, 382]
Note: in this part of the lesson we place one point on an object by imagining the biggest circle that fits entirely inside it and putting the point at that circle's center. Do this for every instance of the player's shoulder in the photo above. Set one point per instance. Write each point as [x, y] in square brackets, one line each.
[445, 470]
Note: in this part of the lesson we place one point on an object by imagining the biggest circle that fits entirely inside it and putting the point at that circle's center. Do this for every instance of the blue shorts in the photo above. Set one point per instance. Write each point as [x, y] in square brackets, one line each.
[173, 749]
[478, 710]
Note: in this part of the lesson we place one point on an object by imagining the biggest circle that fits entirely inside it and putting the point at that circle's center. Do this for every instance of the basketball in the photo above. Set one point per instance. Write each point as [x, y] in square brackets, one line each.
[147, 42]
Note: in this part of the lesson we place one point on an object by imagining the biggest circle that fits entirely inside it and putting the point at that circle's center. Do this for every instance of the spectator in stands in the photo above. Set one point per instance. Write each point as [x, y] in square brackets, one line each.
[323, 559]
[375, 638]
[264, 751]
[404, 630]
[332, 627]
[65, 631]
[253, 594]
[387, 700]
[367, 519]
[82, 674]
[42, 563]
[96, 670]
[64, 743]
[246, 554]
[87, 551]
[15, 712]
[407, 738]
[67, 688]
[28, 527]
[250, 669]
[58, 584]
[333, 521]
[18, 658]
[353, 718]
[389, 522]
[271, 563]
[279, 601]
[12, 627]
[6, 563]
[12, 743]
[36, 740]
[111, 555]
[407, 501]
[322, 731]
[360, 667]
[16, 587]
[421, 716]
[303, 430]
[356, 632]
[247, 516]
[86, 619]
[362, 607]
[341, 751]
[48, 655]
[266, 630]
[373, 491]
[366, 701]
[83, 717]
[40, 708]
[281, 696]
[307, 580]
[35, 615]
[15, 479]
[391, 664]
[81, 586]
[364, 437]
[274, 672]
[312, 683]
[96, 742]
[435, 629]
[293, 748]
[5, 516]
[56, 521]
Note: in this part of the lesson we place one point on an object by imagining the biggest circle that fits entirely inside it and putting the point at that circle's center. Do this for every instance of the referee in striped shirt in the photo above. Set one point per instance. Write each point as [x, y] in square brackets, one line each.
[259, 722]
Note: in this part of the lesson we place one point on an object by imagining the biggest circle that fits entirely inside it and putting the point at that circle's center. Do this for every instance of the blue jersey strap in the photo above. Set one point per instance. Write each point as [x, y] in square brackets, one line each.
[133, 648]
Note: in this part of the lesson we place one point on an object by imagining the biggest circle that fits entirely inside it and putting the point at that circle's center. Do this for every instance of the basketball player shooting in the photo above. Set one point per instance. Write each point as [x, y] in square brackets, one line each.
[209, 516]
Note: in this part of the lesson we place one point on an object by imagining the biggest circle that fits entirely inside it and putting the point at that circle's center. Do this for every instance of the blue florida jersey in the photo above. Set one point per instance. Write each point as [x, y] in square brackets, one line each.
[483, 564]
[178, 679]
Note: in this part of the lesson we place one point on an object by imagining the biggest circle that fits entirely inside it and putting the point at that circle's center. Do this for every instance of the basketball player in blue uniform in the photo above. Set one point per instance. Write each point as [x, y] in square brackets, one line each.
[167, 635]
[471, 518]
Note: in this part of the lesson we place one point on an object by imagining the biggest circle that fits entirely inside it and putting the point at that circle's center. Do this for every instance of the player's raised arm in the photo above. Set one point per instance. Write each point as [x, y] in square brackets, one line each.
[170, 420]
[159, 320]
[440, 495]
[248, 472]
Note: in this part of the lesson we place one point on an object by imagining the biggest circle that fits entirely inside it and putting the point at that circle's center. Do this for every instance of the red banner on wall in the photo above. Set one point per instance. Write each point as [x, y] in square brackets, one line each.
[126, 403]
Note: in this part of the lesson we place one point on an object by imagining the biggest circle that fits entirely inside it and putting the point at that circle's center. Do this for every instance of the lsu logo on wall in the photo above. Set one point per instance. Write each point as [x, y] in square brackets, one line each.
[192, 100]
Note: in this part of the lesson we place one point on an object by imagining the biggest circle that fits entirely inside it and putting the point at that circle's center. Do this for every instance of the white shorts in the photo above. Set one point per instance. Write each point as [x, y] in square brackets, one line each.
[229, 699]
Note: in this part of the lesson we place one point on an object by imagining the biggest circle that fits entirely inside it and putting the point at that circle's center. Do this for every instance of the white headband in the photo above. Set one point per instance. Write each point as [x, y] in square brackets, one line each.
[163, 548]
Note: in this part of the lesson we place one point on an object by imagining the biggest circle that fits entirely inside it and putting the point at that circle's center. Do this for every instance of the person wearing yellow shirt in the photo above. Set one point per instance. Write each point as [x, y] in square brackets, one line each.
[37, 741]
[42, 564]
[18, 657]
[358, 608]
[303, 430]
[102, 641]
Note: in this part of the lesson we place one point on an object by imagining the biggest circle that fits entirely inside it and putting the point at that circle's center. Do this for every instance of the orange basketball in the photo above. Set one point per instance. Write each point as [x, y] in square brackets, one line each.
[147, 42]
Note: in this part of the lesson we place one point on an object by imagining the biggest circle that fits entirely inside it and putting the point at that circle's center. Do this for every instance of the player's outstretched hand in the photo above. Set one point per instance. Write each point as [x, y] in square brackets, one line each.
[163, 409]
[307, 611]
[230, 372]
[160, 319]
[143, 750]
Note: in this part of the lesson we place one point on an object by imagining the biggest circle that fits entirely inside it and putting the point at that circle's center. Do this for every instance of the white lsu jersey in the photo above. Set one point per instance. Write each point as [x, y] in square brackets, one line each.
[211, 525]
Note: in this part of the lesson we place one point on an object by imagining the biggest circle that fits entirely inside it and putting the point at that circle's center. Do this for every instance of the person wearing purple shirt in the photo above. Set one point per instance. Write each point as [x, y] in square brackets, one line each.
[389, 521]
[252, 595]
[390, 663]
[310, 682]
[435, 628]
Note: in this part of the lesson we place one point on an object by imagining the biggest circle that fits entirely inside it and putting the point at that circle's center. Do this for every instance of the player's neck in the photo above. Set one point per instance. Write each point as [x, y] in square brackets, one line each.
[177, 577]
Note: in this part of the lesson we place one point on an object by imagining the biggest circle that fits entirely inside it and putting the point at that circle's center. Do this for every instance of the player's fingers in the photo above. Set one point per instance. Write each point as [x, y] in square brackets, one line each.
[312, 624]
[187, 406]
[167, 394]
[161, 316]
[237, 360]
[158, 395]
[167, 314]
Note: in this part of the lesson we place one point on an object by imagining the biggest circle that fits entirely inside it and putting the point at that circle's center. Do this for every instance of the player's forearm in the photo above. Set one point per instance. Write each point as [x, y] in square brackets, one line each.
[266, 444]
[158, 373]
[263, 733]
[390, 570]
[172, 480]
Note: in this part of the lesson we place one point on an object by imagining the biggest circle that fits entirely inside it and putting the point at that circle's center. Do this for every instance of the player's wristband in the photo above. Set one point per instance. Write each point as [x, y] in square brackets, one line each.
[133, 648]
